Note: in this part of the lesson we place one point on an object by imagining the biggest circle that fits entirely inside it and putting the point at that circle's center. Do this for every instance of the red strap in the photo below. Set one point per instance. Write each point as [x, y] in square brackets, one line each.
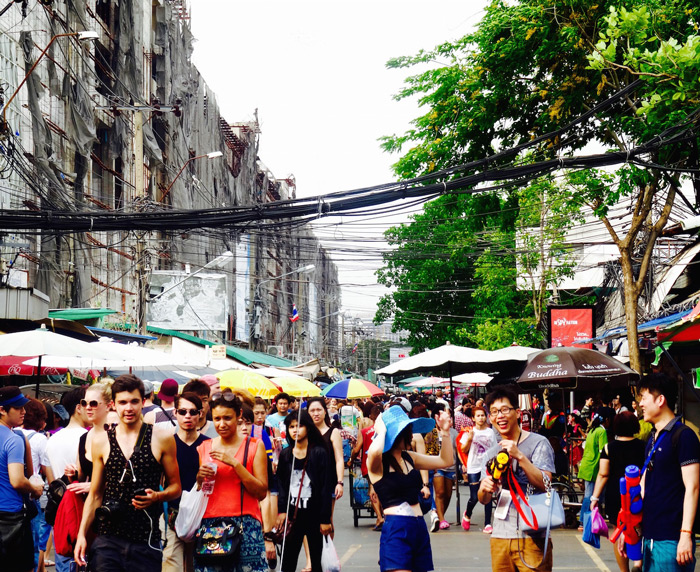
[513, 483]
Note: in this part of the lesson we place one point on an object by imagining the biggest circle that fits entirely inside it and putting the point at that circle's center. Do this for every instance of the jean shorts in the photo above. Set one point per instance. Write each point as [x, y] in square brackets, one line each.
[445, 474]
[405, 544]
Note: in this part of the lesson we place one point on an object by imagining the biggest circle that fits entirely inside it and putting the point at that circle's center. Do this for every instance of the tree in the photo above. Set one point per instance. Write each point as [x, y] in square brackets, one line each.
[534, 65]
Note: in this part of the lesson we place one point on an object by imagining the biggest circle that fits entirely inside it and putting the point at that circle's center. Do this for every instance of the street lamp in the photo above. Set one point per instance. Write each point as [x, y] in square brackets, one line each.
[212, 155]
[257, 301]
[82, 36]
[218, 262]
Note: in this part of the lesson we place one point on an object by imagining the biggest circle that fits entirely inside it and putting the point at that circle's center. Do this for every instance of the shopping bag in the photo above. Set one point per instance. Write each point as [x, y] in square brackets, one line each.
[589, 537]
[598, 524]
[192, 506]
[329, 557]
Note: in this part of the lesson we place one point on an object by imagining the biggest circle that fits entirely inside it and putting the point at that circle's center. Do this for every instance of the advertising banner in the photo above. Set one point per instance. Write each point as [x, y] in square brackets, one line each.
[569, 325]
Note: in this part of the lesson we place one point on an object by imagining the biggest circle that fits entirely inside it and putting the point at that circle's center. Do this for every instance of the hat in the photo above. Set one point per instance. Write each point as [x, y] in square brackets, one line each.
[209, 379]
[11, 396]
[396, 420]
[61, 411]
[403, 402]
[168, 390]
[147, 387]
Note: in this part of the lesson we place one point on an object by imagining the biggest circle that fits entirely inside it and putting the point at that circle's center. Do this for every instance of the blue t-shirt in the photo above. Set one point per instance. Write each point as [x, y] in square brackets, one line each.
[662, 507]
[276, 421]
[11, 451]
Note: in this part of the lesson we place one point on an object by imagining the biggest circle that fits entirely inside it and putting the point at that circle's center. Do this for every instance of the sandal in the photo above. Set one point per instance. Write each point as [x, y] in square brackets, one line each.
[49, 562]
[309, 569]
[378, 526]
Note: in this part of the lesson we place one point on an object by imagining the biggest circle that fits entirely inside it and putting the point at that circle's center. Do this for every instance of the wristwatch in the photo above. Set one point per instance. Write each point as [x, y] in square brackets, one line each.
[341, 483]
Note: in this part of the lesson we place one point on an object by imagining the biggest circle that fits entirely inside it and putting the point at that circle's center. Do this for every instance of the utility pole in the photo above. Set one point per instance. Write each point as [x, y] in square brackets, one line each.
[139, 191]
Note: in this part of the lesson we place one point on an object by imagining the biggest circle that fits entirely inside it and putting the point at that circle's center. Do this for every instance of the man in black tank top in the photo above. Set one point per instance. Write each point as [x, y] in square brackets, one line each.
[124, 501]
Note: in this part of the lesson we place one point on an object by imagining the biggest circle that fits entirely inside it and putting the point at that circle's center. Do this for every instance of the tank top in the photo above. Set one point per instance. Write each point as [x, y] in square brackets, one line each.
[85, 463]
[119, 473]
[397, 487]
[225, 500]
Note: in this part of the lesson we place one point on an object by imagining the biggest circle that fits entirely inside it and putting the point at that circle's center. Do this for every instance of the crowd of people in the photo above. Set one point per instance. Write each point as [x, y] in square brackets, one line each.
[102, 474]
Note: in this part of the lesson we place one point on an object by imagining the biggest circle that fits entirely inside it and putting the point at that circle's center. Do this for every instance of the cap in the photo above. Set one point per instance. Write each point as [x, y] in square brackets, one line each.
[11, 396]
[209, 379]
[404, 403]
[147, 387]
[61, 411]
[168, 390]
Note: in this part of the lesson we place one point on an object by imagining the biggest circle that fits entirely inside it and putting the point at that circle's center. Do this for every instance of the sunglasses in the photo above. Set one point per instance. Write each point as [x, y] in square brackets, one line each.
[184, 412]
[225, 395]
[92, 403]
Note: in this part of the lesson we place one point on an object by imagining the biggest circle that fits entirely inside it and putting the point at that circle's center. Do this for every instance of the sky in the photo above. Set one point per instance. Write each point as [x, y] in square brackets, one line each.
[315, 71]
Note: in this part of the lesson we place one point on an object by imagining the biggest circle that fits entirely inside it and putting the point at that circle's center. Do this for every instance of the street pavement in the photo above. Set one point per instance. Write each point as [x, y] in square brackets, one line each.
[455, 549]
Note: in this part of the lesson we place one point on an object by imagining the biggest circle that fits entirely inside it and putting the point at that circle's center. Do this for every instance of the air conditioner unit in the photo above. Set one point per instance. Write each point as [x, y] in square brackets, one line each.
[277, 351]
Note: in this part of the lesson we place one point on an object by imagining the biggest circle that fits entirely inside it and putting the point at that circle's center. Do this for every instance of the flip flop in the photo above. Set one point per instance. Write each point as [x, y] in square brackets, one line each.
[378, 527]
[48, 562]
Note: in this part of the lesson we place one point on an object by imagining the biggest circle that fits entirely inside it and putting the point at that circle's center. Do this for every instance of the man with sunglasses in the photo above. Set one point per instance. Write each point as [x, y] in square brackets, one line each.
[670, 482]
[129, 462]
[531, 460]
[178, 555]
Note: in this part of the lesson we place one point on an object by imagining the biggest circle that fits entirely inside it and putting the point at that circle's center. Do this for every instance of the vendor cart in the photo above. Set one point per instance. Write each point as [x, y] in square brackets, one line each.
[359, 496]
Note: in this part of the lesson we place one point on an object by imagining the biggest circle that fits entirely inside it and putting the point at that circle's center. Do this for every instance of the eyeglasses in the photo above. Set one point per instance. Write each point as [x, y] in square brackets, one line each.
[184, 412]
[225, 395]
[505, 410]
[94, 403]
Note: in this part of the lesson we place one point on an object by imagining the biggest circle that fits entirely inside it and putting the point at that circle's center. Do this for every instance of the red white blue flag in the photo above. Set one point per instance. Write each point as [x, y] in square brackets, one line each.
[354, 348]
[295, 314]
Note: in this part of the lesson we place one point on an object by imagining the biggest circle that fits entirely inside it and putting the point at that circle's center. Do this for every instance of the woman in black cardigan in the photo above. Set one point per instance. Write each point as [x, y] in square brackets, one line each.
[302, 473]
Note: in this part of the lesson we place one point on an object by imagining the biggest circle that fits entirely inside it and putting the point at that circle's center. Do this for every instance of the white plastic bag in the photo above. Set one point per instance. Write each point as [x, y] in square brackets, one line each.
[329, 557]
[193, 504]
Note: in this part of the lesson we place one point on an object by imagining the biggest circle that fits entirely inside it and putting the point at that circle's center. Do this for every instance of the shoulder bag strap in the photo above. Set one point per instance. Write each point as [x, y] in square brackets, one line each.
[245, 465]
[301, 484]
[167, 415]
[517, 491]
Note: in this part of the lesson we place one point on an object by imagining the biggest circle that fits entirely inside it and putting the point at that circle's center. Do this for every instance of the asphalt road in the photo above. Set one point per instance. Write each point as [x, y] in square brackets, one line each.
[455, 549]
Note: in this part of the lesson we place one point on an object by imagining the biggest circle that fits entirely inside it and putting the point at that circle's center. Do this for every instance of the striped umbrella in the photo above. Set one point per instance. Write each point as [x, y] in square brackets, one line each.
[257, 384]
[352, 389]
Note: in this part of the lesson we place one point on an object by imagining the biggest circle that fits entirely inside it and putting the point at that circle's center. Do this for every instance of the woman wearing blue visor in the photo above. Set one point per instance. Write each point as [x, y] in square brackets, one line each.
[393, 470]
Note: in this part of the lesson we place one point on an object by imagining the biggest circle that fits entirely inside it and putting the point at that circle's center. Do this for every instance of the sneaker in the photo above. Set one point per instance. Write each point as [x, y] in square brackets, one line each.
[466, 523]
[488, 529]
[444, 525]
[434, 522]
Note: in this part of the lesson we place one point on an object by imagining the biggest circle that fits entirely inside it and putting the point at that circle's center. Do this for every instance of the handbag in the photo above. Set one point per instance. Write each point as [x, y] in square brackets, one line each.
[278, 536]
[219, 542]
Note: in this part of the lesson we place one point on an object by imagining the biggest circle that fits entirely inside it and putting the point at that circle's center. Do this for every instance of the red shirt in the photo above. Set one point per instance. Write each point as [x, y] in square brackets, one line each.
[367, 436]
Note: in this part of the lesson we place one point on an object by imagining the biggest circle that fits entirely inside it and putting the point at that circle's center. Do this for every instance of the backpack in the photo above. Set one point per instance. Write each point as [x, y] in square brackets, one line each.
[54, 495]
[67, 526]
[675, 439]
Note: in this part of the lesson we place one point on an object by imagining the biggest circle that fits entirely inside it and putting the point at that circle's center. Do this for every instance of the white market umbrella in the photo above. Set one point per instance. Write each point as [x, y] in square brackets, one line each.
[41, 343]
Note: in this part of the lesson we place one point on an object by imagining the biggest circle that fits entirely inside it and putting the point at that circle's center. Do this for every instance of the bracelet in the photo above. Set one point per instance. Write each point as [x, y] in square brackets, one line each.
[340, 483]
[687, 531]
[596, 499]
[426, 485]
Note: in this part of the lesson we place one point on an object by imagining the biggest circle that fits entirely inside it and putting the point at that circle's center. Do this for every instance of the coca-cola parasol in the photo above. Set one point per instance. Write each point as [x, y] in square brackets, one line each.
[566, 367]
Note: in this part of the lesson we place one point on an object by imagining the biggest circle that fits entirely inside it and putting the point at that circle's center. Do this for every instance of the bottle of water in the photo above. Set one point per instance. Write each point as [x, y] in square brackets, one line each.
[208, 484]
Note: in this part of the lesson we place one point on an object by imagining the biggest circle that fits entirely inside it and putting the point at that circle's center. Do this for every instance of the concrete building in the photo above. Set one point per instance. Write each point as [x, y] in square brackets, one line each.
[121, 120]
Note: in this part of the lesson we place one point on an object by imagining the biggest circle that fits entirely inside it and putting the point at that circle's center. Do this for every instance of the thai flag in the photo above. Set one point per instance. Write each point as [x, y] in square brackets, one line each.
[295, 314]
[354, 349]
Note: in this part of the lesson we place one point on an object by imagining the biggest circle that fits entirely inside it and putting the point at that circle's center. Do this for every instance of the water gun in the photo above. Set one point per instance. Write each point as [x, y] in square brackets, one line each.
[461, 439]
[630, 518]
[498, 465]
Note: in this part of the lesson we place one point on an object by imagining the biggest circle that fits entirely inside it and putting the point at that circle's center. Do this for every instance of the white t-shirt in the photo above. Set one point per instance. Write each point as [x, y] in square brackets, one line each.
[62, 449]
[482, 441]
[37, 443]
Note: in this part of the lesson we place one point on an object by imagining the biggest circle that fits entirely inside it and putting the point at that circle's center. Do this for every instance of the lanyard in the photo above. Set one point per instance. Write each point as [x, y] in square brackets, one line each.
[653, 449]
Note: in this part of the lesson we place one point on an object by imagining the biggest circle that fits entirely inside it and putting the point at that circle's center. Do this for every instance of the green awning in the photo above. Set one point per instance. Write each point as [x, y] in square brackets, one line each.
[240, 354]
[81, 313]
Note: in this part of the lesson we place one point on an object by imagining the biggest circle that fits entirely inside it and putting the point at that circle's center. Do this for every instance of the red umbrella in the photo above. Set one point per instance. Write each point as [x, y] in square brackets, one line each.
[14, 365]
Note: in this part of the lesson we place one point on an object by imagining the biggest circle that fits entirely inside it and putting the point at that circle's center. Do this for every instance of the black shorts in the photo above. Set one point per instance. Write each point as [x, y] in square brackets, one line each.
[16, 542]
[112, 554]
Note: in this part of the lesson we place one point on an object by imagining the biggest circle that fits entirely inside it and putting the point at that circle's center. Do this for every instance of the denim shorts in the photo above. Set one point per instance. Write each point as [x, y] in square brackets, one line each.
[660, 556]
[405, 544]
[445, 474]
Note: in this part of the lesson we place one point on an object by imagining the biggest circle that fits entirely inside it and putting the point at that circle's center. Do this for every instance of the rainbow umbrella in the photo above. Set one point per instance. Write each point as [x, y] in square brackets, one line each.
[297, 386]
[351, 389]
[257, 384]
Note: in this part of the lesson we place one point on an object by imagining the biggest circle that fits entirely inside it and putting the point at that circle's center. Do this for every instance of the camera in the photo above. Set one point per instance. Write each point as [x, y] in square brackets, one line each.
[115, 509]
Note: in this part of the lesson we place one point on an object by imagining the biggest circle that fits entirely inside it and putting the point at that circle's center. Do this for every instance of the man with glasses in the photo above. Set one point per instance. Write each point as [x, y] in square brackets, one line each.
[531, 461]
[201, 390]
[670, 482]
[179, 554]
[129, 462]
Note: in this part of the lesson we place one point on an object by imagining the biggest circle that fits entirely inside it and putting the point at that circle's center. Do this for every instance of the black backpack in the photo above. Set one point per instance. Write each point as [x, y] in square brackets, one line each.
[54, 496]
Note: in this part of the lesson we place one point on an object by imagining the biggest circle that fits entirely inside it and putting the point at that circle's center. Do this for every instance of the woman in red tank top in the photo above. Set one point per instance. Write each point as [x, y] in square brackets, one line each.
[233, 469]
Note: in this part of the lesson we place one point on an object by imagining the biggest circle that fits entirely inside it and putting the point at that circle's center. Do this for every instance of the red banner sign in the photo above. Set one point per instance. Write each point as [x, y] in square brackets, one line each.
[567, 326]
